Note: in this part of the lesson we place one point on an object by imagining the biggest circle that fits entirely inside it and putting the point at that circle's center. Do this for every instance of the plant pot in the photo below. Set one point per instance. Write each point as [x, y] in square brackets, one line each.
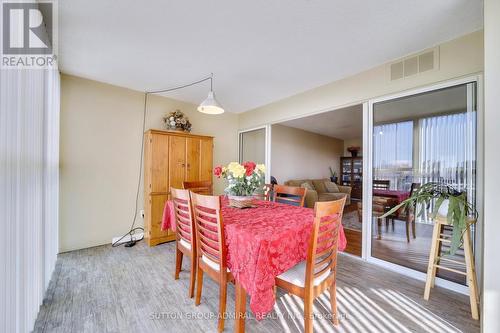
[443, 209]
[334, 179]
[238, 201]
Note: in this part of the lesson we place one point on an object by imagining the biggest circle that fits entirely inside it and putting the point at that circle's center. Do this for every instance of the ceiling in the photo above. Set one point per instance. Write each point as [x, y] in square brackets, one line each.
[417, 106]
[260, 51]
[344, 124]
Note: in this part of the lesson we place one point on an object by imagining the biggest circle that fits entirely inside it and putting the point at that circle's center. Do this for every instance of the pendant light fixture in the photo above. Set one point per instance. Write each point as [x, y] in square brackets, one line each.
[209, 106]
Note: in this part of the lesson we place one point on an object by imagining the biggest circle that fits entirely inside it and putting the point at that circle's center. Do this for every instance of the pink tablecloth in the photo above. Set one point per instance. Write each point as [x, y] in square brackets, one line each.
[262, 243]
[398, 195]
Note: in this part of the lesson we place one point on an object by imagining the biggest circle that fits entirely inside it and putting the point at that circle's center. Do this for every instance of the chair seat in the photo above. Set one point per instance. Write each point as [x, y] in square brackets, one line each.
[211, 263]
[185, 244]
[296, 275]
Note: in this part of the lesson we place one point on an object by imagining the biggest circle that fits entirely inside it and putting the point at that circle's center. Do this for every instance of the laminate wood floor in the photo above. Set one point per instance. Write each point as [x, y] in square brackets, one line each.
[104, 289]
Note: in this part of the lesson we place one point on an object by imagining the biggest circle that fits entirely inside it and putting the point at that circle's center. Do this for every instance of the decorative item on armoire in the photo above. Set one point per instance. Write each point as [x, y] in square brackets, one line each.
[177, 121]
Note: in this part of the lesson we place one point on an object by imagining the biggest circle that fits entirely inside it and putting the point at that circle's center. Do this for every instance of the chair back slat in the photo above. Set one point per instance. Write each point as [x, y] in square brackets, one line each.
[209, 228]
[322, 253]
[289, 194]
[381, 184]
[200, 187]
[183, 215]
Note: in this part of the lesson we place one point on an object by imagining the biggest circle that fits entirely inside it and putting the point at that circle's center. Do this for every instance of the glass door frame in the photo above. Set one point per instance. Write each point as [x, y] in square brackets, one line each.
[368, 180]
[267, 147]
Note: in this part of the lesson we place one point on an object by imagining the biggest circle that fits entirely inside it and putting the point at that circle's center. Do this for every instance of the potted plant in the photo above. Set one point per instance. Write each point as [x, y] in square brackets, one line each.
[244, 180]
[333, 175]
[448, 203]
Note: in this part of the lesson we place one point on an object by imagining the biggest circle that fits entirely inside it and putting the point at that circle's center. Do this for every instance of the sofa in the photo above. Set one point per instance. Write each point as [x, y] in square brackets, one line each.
[319, 192]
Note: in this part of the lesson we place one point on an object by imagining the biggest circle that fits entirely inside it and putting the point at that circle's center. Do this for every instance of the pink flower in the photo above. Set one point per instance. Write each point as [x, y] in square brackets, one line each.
[218, 171]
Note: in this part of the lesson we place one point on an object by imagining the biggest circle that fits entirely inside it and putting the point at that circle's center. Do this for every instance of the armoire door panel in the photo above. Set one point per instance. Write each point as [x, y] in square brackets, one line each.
[157, 203]
[192, 159]
[159, 169]
[177, 165]
[206, 159]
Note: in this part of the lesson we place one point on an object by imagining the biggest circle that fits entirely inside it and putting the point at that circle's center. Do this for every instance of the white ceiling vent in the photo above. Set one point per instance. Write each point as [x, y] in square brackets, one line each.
[415, 64]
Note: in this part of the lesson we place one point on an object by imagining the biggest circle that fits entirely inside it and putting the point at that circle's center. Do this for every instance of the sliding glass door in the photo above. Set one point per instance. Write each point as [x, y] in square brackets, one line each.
[254, 145]
[416, 139]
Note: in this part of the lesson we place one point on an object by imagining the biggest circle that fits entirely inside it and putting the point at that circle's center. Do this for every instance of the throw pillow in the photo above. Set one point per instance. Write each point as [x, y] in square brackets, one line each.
[307, 186]
[331, 187]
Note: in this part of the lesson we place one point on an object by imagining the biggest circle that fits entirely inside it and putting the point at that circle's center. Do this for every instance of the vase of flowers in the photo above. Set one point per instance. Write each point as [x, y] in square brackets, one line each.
[353, 150]
[244, 181]
[177, 121]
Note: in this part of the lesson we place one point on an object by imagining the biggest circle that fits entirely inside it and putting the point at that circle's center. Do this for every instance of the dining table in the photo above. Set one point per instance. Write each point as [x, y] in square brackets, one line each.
[262, 242]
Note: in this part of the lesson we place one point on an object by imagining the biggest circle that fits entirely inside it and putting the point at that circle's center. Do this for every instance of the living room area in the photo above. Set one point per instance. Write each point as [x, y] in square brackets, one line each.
[322, 153]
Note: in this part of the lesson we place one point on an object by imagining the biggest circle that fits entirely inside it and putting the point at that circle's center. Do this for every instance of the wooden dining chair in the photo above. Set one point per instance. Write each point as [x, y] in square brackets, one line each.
[406, 215]
[200, 187]
[381, 184]
[211, 250]
[184, 234]
[267, 191]
[289, 195]
[318, 272]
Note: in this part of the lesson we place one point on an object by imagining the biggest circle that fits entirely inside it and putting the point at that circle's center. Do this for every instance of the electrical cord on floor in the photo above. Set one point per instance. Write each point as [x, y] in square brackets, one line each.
[133, 229]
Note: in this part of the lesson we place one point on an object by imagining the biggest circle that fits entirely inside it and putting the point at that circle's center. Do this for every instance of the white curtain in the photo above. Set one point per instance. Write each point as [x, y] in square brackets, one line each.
[448, 151]
[29, 176]
[393, 153]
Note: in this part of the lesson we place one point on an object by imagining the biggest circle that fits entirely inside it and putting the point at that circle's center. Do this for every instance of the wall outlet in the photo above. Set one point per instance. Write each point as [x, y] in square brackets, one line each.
[142, 213]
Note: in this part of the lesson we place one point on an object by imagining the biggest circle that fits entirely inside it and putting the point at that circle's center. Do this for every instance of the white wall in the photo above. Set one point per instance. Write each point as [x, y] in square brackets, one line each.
[100, 151]
[298, 154]
[491, 267]
[459, 57]
[29, 174]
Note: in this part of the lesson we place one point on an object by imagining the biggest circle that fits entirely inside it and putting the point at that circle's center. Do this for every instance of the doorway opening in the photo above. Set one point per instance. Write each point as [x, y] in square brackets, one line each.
[324, 153]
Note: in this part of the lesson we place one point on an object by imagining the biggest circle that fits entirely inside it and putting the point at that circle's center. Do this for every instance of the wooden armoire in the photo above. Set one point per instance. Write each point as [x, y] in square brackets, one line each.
[170, 158]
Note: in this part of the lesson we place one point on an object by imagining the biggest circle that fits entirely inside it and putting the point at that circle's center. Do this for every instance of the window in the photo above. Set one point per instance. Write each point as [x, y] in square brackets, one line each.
[393, 145]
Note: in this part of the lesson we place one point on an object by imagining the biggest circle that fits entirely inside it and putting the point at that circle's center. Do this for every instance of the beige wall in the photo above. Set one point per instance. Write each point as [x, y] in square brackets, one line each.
[298, 154]
[254, 146]
[358, 142]
[100, 150]
[491, 269]
[459, 57]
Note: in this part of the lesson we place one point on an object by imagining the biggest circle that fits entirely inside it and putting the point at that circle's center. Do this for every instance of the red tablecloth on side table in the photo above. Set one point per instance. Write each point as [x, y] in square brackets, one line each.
[262, 243]
[398, 195]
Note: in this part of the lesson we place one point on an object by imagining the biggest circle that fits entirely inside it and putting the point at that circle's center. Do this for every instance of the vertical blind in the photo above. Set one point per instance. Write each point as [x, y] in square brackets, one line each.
[448, 151]
[393, 145]
[393, 153]
[29, 175]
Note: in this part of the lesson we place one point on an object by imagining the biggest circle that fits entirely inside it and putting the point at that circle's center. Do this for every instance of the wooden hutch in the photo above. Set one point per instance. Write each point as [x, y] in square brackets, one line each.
[170, 158]
[351, 174]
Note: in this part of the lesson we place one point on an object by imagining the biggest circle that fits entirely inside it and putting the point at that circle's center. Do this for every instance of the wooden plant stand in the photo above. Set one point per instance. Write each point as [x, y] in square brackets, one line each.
[435, 262]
